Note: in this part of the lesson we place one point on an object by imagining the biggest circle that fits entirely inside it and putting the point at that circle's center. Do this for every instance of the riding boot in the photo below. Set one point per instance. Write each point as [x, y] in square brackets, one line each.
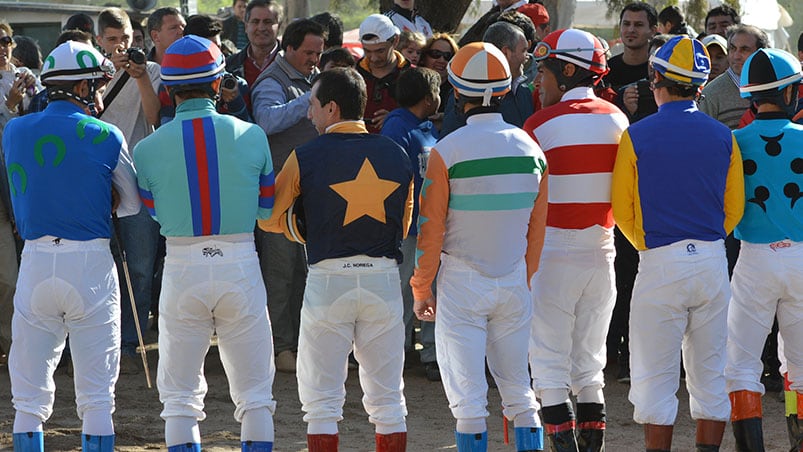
[746, 421]
[392, 442]
[658, 438]
[709, 435]
[322, 443]
[591, 427]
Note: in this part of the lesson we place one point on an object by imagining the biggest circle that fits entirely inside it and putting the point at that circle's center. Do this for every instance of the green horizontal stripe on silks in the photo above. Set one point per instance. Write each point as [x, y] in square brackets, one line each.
[505, 201]
[495, 166]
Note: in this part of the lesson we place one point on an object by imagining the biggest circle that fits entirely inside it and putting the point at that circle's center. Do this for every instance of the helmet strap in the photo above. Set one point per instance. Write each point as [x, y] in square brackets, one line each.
[64, 93]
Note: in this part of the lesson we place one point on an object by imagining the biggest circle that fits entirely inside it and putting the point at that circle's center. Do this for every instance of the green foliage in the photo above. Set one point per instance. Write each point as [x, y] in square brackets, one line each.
[352, 12]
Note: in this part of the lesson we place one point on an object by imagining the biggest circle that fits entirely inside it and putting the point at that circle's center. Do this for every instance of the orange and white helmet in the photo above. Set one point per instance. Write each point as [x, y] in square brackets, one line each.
[480, 69]
[578, 47]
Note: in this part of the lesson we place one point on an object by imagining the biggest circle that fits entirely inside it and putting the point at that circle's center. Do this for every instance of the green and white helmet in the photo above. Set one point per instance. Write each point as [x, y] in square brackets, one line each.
[75, 61]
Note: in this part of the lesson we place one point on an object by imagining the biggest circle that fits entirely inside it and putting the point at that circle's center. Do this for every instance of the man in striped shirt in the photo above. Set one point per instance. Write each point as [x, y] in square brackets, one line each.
[574, 290]
[206, 178]
[483, 207]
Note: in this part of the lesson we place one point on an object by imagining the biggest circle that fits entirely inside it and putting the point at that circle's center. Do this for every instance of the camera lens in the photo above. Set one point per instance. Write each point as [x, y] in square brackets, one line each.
[136, 55]
[229, 82]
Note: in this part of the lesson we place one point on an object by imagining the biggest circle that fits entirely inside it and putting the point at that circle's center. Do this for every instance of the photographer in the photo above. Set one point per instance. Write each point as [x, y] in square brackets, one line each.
[131, 104]
[233, 89]
[636, 99]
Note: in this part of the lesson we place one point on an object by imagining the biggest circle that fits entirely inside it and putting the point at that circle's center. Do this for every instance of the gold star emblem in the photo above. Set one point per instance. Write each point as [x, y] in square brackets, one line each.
[365, 194]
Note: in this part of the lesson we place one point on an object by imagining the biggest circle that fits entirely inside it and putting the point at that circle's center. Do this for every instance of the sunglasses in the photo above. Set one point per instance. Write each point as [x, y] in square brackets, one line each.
[6, 41]
[435, 54]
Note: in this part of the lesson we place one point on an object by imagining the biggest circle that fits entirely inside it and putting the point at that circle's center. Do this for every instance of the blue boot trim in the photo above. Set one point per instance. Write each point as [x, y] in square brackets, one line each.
[29, 442]
[529, 438]
[257, 446]
[97, 443]
[187, 447]
[471, 442]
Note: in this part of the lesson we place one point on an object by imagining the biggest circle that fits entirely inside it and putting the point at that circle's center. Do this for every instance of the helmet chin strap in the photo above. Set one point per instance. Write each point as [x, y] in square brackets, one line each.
[88, 101]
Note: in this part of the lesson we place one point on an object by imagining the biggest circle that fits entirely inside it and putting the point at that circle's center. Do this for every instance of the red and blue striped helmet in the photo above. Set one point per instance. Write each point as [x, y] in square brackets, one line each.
[192, 60]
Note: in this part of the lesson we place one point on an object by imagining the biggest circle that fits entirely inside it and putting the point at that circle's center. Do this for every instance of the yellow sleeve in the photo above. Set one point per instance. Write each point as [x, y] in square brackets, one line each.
[734, 189]
[288, 188]
[537, 228]
[624, 193]
[431, 226]
[407, 219]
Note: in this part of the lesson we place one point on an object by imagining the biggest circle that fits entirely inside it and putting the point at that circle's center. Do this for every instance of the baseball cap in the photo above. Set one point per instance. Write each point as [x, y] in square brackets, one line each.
[716, 39]
[378, 25]
[81, 22]
[536, 12]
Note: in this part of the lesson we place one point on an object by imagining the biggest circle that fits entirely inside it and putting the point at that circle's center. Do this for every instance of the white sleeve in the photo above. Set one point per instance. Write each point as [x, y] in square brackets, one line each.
[124, 179]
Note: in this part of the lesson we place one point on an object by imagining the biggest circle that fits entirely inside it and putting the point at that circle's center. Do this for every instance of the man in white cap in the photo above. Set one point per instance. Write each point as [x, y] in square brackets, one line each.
[717, 48]
[380, 68]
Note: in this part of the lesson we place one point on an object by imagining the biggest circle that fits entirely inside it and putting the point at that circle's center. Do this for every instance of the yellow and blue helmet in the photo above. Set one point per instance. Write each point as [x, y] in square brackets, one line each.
[683, 60]
[767, 72]
[480, 69]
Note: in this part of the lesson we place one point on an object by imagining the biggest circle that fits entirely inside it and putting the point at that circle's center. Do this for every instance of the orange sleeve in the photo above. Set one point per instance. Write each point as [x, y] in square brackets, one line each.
[537, 228]
[288, 188]
[431, 226]
[407, 219]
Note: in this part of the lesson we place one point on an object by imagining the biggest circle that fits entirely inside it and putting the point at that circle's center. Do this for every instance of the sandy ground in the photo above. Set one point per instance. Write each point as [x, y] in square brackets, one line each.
[430, 423]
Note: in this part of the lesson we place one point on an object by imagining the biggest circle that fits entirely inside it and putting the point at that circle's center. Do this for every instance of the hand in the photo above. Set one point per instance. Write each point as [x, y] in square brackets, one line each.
[425, 309]
[379, 118]
[135, 70]
[15, 94]
[228, 95]
[630, 99]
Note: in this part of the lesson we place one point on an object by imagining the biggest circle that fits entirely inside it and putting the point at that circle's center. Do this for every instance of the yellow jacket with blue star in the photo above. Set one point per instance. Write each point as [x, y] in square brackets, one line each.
[356, 194]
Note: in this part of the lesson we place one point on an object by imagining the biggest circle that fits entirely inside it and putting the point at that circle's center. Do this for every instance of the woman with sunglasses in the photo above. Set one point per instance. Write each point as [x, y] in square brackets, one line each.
[436, 55]
[15, 83]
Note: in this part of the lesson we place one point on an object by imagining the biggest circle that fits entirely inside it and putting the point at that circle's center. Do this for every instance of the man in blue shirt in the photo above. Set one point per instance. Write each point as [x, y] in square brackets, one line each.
[418, 94]
[62, 164]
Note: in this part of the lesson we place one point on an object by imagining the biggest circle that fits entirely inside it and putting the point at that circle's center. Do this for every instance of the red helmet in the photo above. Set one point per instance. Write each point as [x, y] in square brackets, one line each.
[574, 46]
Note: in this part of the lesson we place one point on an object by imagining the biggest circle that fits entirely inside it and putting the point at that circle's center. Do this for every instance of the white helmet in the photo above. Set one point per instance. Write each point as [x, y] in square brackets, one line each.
[75, 61]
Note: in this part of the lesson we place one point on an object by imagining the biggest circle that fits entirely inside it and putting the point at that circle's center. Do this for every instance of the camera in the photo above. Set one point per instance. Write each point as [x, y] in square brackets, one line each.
[136, 55]
[229, 81]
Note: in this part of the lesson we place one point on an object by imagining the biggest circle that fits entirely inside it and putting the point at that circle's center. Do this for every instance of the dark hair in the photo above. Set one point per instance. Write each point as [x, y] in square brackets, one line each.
[337, 55]
[672, 15]
[722, 10]
[81, 22]
[27, 52]
[332, 24]
[295, 33]
[346, 88]
[762, 40]
[157, 17]
[800, 42]
[659, 40]
[652, 15]
[234, 2]
[138, 26]
[74, 35]
[275, 7]
[415, 84]
[115, 18]
[503, 34]
[520, 20]
[203, 25]
[676, 89]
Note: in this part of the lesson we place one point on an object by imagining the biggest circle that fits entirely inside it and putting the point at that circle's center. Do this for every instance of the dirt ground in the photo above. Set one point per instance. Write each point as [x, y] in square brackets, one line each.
[429, 421]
